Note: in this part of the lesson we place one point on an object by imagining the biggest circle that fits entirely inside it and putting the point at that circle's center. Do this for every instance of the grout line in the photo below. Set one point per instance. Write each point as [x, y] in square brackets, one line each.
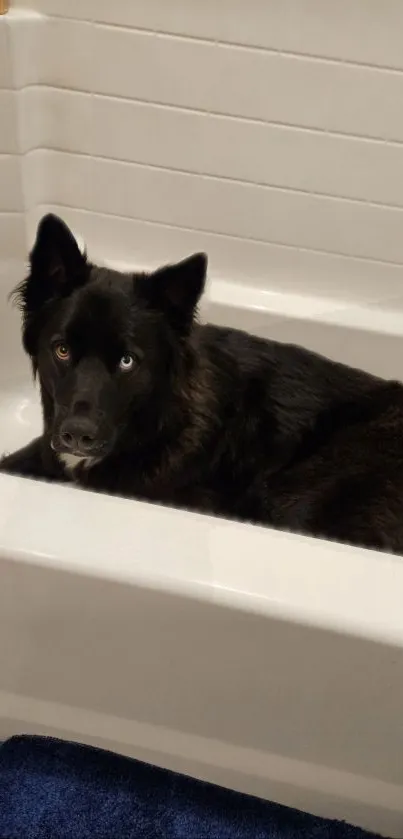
[366, 138]
[211, 41]
[230, 236]
[343, 199]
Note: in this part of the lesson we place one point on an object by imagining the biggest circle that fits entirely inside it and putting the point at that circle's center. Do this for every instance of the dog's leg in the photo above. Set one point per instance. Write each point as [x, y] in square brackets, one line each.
[32, 461]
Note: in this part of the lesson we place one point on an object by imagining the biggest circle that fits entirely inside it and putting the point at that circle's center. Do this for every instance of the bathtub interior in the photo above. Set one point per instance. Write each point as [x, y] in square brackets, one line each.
[20, 416]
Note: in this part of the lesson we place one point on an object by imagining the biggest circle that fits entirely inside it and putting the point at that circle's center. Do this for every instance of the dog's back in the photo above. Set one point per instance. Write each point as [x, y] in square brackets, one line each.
[302, 443]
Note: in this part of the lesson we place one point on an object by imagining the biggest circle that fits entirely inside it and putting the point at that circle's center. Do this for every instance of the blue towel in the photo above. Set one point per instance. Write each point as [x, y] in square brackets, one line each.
[50, 789]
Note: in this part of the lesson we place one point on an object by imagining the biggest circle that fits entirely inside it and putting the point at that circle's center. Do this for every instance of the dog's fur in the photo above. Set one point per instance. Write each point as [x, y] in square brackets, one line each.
[207, 418]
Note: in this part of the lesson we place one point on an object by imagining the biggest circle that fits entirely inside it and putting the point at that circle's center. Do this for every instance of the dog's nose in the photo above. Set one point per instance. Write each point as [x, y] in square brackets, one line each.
[78, 435]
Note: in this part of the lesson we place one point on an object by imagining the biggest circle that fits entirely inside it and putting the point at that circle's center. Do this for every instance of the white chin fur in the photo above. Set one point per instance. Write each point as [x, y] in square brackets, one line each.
[71, 461]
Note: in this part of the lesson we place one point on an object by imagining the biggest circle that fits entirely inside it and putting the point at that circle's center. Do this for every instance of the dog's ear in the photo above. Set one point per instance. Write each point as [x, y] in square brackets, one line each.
[176, 289]
[57, 267]
[57, 264]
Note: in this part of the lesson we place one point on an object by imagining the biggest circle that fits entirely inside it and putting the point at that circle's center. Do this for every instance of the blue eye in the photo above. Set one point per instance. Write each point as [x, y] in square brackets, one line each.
[126, 363]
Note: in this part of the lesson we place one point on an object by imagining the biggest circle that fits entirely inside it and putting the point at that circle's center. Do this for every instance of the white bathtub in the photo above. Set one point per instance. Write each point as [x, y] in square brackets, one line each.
[262, 661]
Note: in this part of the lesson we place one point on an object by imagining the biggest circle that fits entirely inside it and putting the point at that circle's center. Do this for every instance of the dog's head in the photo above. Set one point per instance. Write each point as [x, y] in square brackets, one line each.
[109, 348]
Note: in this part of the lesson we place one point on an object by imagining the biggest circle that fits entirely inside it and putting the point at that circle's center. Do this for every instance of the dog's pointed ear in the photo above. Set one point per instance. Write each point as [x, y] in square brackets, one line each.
[176, 289]
[56, 260]
[57, 267]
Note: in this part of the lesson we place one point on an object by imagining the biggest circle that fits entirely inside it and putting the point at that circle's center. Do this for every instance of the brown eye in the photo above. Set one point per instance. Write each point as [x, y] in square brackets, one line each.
[61, 351]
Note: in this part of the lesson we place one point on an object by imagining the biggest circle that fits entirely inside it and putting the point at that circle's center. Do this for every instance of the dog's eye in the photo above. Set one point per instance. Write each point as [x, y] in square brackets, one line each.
[61, 351]
[126, 363]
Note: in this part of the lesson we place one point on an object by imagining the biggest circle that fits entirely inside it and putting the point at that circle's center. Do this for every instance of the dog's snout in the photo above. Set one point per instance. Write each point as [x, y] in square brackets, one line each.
[78, 435]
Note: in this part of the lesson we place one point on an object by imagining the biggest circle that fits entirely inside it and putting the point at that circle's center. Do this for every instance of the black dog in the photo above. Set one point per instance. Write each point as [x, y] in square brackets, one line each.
[140, 400]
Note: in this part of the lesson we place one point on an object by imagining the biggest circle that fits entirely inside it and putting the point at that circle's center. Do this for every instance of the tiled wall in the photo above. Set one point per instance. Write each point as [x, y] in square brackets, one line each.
[268, 133]
[12, 231]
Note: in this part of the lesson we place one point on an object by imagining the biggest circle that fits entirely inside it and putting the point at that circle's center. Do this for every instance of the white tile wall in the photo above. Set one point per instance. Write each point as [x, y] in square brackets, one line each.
[12, 222]
[215, 205]
[12, 237]
[47, 51]
[191, 141]
[57, 119]
[10, 179]
[56, 178]
[245, 150]
[367, 31]
[264, 265]
[271, 131]
[257, 84]
[8, 121]
[5, 69]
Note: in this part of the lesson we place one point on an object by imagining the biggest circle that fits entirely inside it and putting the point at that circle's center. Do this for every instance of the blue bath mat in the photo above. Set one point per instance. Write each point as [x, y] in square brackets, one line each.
[55, 790]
